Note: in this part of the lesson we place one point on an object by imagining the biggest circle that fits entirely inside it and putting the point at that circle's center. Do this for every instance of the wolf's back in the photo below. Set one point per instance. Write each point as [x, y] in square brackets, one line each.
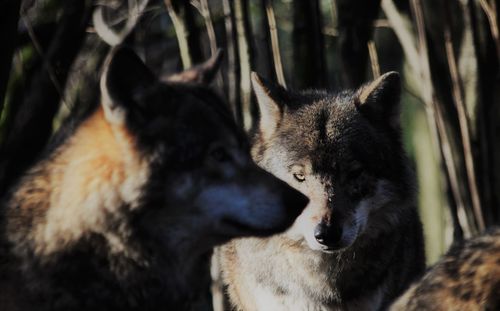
[467, 278]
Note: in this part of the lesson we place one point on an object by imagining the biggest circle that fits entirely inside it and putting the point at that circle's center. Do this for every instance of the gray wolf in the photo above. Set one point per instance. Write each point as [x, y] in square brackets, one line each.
[123, 212]
[467, 278]
[358, 244]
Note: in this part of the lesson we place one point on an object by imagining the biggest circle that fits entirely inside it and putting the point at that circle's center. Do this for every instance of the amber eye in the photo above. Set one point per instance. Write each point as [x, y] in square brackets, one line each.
[299, 177]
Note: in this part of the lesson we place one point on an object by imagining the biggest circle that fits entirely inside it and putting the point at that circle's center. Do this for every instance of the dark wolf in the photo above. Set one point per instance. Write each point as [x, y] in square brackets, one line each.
[467, 278]
[123, 213]
[358, 244]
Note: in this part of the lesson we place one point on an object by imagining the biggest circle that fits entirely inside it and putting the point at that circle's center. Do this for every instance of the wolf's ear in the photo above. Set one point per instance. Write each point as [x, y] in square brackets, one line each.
[123, 83]
[379, 99]
[202, 73]
[270, 104]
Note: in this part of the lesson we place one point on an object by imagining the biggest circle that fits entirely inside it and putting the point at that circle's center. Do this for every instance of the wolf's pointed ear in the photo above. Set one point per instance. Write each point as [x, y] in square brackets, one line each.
[124, 81]
[270, 104]
[202, 73]
[379, 99]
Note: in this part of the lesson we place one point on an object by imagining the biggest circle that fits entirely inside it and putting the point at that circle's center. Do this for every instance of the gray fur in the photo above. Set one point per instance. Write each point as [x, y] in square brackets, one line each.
[359, 242]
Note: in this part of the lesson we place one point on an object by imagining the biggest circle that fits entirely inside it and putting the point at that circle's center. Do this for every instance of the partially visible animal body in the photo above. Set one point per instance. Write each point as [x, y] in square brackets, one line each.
[358, 244]
[467, 278]
[122, 213]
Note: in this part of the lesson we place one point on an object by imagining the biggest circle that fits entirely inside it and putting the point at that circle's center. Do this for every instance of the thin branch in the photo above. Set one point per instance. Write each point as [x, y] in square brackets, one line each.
[203, 8]
[245, 65]
[490, 11]
[372, 51]
[485, 121]
[355, 28]
[233, 71]
[181, 33]
[458, 97]
[429, 97]
[459, 215]
[108, 35]
[334, 14]
[419, 65]
[39, 49]
[275, 47]
[401, 28]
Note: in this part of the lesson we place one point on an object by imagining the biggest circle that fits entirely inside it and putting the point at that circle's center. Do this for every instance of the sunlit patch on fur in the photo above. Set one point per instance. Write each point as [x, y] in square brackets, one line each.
[94, 175]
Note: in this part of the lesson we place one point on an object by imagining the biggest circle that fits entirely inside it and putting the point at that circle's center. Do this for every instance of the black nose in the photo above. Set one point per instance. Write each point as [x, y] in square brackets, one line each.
[328, 235]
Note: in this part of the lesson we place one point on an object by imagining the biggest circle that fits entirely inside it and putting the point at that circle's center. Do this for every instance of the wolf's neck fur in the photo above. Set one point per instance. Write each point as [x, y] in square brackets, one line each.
[81, 187]
[72, 219]
[364, 276]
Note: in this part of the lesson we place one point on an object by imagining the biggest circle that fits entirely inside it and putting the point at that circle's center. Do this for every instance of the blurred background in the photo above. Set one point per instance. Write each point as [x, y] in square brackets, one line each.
[448, 52]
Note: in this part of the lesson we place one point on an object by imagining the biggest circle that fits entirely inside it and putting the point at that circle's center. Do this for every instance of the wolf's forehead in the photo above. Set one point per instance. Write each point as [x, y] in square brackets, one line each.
[324, 123]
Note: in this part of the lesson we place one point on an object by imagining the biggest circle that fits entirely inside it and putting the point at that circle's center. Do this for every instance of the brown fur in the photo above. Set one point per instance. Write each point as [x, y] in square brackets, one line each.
[94, 165]
[467, 279]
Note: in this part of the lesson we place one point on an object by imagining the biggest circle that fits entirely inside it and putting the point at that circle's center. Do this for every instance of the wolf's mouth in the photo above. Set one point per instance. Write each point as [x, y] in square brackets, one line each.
[332, 249]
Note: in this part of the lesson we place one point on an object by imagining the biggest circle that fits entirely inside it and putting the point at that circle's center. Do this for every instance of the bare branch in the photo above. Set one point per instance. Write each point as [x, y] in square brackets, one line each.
[245, 61]
[372, 50]
[107, 34]
[203, 8]
[275, 47]
[355, 29]
[182, 35]
[419, 65]
[491, 14]
[457, 92]
[402, 29]
[233, 71]
[430, 99]
[41, 52]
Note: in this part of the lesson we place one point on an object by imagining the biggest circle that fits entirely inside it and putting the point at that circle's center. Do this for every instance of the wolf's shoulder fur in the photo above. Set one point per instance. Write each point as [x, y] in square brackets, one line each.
[467, 278]
[359, 242]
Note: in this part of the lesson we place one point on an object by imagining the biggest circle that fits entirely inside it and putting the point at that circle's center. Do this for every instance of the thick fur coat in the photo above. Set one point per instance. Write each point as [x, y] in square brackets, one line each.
[358, 244]
[122, 213]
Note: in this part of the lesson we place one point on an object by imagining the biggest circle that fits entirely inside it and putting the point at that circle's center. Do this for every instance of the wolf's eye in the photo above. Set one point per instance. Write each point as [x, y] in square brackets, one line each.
[220, 154]
[299, 177]
[354, 172]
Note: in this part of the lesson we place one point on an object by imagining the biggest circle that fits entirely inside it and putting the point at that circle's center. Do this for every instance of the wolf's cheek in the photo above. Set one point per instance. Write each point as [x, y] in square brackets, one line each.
[360, 219]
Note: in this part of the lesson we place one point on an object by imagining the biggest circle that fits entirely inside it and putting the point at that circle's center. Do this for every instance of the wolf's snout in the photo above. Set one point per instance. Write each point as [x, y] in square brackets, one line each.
[328, 235]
